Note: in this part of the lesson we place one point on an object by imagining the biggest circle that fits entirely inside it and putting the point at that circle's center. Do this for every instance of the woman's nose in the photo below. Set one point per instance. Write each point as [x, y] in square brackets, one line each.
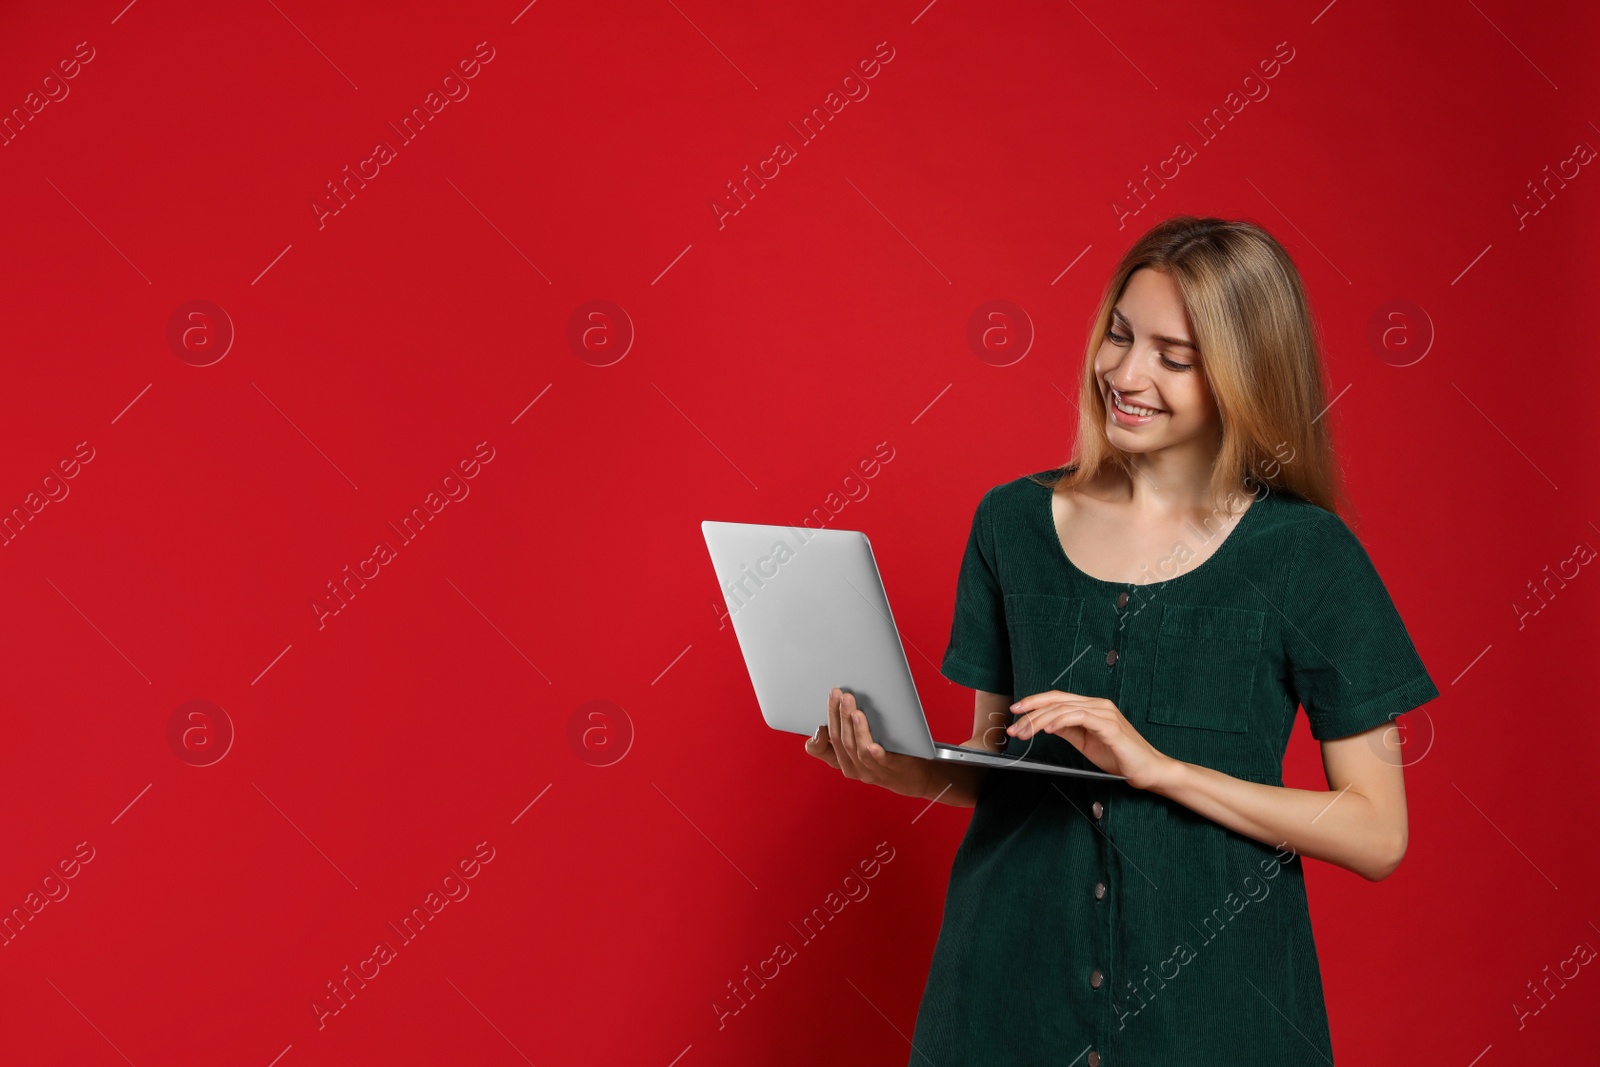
[1126, 377]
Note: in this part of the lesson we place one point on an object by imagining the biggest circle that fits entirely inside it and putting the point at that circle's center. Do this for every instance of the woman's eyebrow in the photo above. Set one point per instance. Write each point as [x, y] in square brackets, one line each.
[1177, 341]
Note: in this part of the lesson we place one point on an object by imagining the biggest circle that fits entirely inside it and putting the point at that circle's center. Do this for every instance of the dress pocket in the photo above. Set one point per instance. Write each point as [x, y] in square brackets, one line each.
[1205, 666]
[1043, 632]
[1044, 635]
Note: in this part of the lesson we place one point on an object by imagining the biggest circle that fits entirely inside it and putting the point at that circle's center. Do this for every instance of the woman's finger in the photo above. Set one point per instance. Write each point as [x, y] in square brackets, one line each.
[1050, 698]
[1053, 720]
[851, 716]
[836, 716]
[865, 759]
[819, 746]
[847, 737]
[1028, 703]
[1029, 720]
[870, 747]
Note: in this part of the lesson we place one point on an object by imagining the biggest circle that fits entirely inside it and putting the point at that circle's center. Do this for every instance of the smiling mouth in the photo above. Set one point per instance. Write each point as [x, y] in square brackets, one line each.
[1128, 409]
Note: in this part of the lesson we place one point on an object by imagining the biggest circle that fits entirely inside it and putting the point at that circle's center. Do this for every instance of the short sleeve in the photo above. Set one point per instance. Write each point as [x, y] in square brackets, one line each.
[979, 653]
[1351, 662]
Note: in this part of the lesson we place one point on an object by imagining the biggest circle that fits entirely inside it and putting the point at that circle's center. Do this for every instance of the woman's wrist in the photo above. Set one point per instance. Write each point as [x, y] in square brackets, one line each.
[1169, 779]
[933, 782]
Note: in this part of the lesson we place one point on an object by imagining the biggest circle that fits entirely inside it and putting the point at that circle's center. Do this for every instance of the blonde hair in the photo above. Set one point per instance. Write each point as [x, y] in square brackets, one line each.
[1260, 355]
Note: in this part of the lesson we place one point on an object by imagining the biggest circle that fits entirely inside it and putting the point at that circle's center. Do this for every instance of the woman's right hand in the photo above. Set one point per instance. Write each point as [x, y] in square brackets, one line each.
[846, 745]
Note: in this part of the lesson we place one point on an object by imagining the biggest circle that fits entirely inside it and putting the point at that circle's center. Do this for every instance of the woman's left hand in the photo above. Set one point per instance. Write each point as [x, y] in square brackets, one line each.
[1095, 727]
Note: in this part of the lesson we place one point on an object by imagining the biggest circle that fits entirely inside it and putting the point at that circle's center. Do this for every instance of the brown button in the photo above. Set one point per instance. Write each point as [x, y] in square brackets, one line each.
[1099, 809]
[1111, 658]
[1095, 978]
[1122, 600]
[1094, 1058]
[1099, 891]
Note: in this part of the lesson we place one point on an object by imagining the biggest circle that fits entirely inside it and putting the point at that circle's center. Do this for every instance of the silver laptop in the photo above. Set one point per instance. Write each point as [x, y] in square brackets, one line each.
[810, 613]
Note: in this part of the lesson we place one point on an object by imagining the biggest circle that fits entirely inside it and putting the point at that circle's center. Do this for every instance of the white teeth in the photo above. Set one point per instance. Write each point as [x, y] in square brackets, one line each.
[1130, 409]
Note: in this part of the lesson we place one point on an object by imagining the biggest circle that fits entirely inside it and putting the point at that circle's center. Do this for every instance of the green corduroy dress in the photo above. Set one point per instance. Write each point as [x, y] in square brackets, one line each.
[1088, 922]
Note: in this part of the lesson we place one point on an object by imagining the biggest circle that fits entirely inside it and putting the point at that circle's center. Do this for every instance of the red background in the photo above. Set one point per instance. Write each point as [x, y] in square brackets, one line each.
[772, 355]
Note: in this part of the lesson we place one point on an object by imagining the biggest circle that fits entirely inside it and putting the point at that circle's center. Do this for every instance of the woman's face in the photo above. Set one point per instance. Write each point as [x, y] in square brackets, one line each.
[1148, 361]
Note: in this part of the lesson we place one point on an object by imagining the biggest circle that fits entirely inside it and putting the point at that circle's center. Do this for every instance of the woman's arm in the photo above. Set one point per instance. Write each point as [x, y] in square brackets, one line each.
[1358, 823]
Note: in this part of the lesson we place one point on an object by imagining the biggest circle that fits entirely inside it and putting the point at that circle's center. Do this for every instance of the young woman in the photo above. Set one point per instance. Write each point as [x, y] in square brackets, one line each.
[1158, 609]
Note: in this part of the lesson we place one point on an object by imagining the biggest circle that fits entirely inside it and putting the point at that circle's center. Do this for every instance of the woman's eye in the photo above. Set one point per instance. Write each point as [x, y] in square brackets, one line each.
[1118, 339]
